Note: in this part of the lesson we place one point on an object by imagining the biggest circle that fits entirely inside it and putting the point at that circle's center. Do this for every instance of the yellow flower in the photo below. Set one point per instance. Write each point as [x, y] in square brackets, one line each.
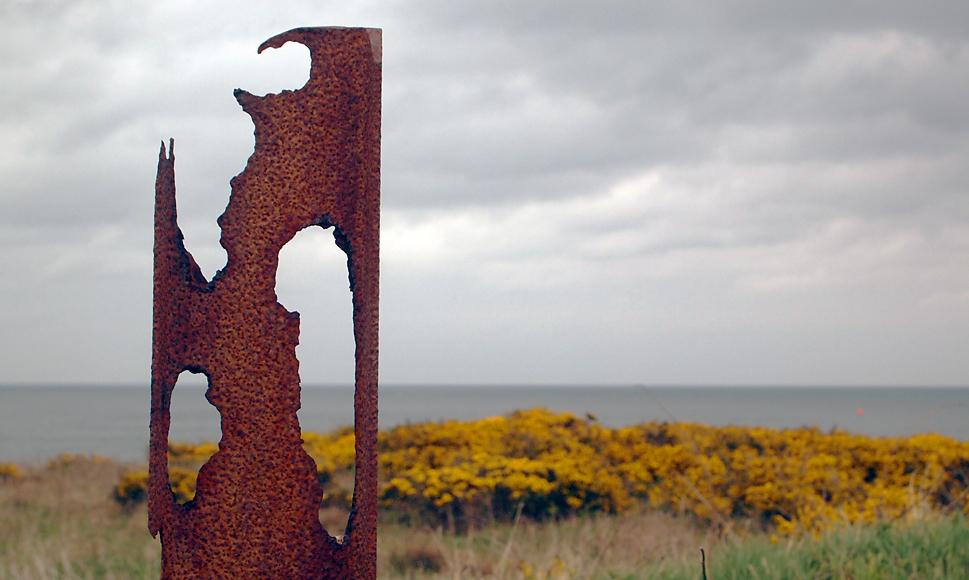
[548, 464]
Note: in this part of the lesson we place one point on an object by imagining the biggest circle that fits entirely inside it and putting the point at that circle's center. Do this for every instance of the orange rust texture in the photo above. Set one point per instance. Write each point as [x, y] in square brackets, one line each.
[316, 162]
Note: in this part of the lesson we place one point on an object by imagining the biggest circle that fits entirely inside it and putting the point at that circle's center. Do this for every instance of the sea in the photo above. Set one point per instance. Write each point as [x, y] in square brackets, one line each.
[40, 422]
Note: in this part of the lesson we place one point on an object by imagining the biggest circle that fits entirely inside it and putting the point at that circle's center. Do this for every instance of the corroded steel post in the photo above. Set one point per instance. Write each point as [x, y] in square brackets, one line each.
[316, 162]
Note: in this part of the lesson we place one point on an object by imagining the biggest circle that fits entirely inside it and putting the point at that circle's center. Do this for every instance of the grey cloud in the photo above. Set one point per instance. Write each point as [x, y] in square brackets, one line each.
[640, 85]
[810, 162]
[761, 17]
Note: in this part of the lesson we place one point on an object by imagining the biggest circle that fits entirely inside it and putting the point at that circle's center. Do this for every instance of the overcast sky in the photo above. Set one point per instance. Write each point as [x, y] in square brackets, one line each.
[603, 192]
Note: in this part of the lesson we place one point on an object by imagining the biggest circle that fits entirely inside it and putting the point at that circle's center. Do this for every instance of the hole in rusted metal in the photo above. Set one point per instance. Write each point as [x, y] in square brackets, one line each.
[312, 279]
[195, 431]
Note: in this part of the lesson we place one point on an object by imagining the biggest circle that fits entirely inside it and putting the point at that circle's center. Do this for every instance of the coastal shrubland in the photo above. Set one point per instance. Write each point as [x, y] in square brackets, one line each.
[544, 466]
[60, 521]
[538, 495]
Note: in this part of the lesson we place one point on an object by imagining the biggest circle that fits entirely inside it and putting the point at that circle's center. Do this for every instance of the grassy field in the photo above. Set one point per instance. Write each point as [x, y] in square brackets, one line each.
[659, 546]
[59, 521]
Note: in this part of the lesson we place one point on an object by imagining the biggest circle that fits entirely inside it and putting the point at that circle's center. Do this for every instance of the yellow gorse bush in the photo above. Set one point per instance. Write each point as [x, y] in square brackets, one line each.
[9, 471]
[132, 488]
[548, 464]
[333, 452]
[187, 453]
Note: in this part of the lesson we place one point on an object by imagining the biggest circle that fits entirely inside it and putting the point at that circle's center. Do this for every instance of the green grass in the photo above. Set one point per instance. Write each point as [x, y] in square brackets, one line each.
[59, 522]
[934, 549]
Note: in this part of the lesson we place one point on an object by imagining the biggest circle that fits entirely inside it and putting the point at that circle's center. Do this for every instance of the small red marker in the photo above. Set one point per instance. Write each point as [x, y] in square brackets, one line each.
[861, 411]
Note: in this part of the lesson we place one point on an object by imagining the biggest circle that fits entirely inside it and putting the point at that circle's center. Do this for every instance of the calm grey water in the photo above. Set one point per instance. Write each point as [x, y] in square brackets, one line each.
[40, 422]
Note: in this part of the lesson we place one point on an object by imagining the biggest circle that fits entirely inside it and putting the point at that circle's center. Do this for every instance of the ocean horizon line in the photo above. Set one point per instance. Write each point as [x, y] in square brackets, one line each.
[44, 420]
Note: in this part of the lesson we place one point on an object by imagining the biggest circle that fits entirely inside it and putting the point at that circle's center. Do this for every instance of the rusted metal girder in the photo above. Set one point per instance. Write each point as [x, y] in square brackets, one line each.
[316, 162]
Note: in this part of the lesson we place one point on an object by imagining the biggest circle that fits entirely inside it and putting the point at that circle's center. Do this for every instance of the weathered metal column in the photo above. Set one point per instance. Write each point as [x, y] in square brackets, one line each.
[316, 162]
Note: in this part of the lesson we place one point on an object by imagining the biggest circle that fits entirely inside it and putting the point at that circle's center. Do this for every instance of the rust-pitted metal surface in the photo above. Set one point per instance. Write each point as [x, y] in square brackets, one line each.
[316, 162]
